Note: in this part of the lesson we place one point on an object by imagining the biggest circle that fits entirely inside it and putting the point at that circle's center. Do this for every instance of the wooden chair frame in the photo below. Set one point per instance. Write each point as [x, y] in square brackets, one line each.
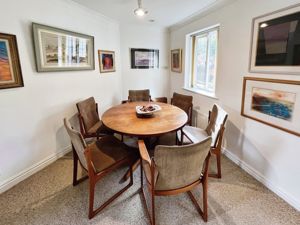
[145, 159]
[95, 177]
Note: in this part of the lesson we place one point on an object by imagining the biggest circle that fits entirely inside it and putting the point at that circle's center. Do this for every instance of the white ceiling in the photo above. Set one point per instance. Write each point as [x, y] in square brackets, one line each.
[166, 13]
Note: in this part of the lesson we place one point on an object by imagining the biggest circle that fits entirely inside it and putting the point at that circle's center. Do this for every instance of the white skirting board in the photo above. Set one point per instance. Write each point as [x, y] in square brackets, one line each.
[258, 176]
[9, 183]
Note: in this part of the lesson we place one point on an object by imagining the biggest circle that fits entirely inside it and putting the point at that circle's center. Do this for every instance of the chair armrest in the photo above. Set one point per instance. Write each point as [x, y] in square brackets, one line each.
[143, 152]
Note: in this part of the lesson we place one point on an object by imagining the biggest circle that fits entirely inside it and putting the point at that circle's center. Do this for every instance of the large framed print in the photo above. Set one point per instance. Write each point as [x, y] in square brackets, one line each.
[273, 102]
[61, 50]
[176, 60]
[10, 68]
[276, 42]
[144, 58]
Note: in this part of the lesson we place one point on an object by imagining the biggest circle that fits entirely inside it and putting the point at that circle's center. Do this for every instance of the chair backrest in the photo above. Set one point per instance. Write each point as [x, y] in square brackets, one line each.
[88, 111]
[179, 166]
[78, 143]
[161, 99]
[139, 95]
[217, 119]
[185, 102]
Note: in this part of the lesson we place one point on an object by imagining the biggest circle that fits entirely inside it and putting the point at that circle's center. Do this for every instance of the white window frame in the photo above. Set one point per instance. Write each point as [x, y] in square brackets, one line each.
[189, 61]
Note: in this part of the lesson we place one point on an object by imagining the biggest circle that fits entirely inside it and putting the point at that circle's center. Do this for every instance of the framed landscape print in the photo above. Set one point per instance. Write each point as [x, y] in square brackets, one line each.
[144, 58]
[276, 42]
[176, 60]
[10, 68]
[272, 102]
[61, 50]
[106, 61]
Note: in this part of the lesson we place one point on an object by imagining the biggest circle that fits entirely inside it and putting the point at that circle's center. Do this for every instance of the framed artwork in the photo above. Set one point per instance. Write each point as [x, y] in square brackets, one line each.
[272, 102]
[106, 61]
[276, 42]
[144, 58]
[176, 60]
[10, 68]
[61, 50]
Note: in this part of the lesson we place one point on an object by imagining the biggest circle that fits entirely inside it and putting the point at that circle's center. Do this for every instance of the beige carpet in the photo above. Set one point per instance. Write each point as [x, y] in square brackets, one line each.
[49, 198]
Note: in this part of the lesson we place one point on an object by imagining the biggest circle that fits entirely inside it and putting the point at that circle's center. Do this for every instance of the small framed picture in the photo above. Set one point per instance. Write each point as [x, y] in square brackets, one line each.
[106, 61]
[272, 102]
[275, 42]
[10, 68]
[144, 58]
[62, 50]
[176, 60]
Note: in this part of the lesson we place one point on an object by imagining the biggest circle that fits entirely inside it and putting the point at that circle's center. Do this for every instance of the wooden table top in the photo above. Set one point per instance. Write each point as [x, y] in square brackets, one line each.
[123, 119]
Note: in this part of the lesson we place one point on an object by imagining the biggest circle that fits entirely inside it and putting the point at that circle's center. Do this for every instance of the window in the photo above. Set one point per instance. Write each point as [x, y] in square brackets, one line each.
[202, 61]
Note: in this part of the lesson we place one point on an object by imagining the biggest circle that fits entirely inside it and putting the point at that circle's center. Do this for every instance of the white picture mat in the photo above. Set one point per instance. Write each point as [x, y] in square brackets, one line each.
[293, 124]
[255, 27]
[43, 55]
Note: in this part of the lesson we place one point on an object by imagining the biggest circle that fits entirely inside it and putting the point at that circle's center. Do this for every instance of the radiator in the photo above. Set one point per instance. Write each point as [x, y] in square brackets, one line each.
[199, 119]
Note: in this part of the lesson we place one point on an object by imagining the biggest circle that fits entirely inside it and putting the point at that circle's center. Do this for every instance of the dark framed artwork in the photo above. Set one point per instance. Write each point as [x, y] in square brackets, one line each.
[276, 42]
[106, 61]
[10, 68]
[176, 60]
[144, 58]
[273, 102]
[61, 50]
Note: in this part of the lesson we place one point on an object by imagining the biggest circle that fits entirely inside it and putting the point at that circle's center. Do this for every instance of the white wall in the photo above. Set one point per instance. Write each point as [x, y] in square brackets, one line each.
[269, 154]
[157, 80]
[31, 117]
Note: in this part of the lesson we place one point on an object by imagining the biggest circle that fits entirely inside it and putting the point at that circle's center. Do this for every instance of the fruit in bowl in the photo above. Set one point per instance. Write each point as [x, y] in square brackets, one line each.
[147, 109]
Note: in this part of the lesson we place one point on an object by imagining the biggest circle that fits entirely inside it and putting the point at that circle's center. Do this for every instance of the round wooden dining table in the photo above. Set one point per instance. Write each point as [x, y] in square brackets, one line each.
[124, 120]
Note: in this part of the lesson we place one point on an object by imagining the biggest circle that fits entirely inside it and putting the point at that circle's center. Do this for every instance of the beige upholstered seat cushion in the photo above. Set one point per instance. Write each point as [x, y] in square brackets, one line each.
[109, 150]
[180, 166]
[195, 134]
[99, 128]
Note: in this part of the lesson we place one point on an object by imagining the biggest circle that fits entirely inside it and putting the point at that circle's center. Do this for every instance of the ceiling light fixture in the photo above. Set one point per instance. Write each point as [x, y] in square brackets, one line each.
[263, 25]
[140, 11]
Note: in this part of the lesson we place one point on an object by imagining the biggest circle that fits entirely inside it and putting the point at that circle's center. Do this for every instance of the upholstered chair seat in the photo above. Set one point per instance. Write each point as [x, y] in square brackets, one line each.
[108, 150]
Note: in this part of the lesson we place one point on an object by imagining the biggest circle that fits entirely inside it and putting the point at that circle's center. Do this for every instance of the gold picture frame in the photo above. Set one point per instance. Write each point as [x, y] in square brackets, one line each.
[10, 68]
[273, 102]
[176, 60]
[107, 61]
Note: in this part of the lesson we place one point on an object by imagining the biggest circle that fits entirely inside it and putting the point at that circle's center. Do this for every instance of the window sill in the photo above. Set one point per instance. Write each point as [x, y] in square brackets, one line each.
[204, 93]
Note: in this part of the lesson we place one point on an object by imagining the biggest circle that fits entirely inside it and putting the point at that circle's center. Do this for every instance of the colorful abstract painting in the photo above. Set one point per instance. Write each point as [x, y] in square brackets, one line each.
[279, 104]
[5, 68]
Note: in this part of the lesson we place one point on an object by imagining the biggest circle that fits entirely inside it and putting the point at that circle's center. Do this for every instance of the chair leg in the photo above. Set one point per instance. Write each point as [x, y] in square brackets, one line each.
[75, 167]
[93, 212]
[91, 199]
[152, 207]
[204, 187]
[219, 175]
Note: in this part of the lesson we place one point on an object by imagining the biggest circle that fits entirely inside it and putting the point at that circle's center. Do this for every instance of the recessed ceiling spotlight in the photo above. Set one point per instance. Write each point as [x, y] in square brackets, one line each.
[152, 20]
[263, 25]
[140, 11]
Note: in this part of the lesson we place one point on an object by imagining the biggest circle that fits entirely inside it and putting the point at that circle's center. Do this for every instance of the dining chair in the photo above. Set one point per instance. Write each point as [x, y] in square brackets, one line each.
[161, 99]
[99, 158]
[139, 95]
[174, 170]
[184, 102]
[215, 128]
[90, 124]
